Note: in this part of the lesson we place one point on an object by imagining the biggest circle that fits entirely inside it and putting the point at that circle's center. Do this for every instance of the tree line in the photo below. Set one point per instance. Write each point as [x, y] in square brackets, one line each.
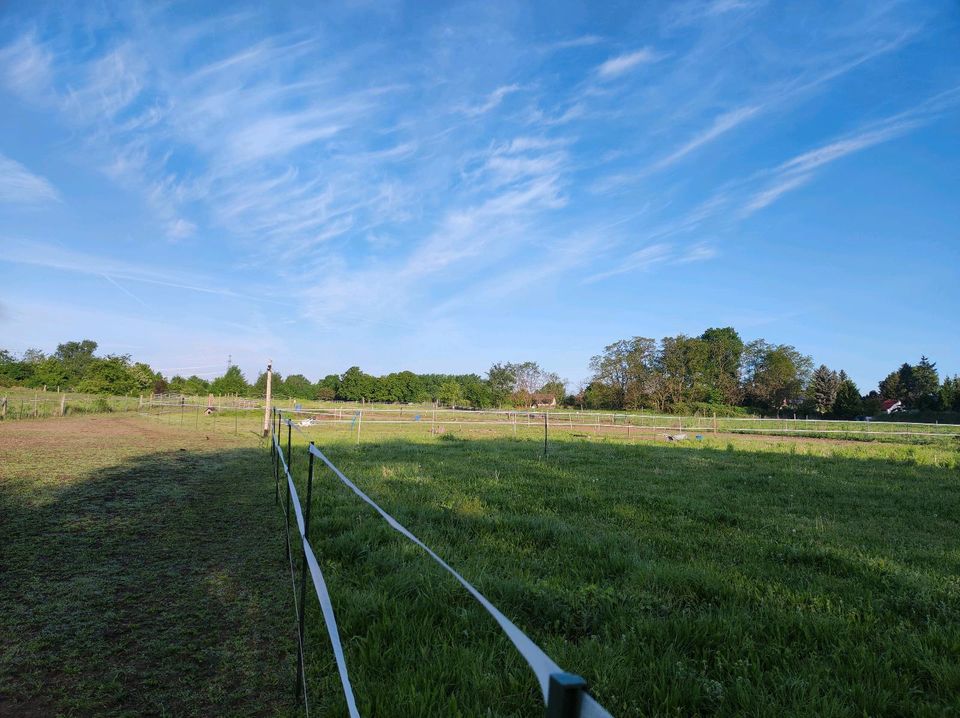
[718, 372]
[715, 372]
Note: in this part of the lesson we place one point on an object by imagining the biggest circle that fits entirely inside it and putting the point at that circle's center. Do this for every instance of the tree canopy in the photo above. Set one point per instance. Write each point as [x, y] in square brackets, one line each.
[716, 371]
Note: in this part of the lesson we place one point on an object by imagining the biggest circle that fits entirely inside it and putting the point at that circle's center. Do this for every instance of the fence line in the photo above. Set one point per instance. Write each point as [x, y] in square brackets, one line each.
[564, 694]
[319, 584]
[625, 418]
[368, 409]
[47, 405]
[586, 421]
[556, 421]
[613, 416]
[562, 425]
[298, 606]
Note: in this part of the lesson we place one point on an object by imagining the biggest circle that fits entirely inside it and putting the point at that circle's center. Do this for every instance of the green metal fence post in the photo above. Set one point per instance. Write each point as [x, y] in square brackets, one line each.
[289, 450]
[565, 695]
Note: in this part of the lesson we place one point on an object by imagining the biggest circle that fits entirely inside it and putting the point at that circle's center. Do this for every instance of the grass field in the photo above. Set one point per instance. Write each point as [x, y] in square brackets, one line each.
[142, 573]
[730, 576]
[744, 577]
[411, 421]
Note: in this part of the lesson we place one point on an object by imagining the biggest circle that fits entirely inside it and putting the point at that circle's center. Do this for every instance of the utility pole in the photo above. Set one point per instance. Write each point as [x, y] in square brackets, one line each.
[266, 404]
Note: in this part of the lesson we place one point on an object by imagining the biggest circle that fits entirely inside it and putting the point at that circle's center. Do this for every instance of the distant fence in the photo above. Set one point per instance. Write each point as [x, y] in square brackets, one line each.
[617, 424]
[229, 413]
[205, 417]
[564, 694]
[221, 401]
[46, 405]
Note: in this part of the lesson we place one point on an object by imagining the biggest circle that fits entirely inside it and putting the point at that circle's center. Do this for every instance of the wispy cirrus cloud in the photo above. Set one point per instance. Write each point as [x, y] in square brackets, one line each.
[771, 194]
[684, 14]
[492, 101]
[64, 259]
[25, 66]
[653, 255]
[616, 66]
[581, 41]
[18, 185]
[721, 125]
[418, 170]
[799, 170]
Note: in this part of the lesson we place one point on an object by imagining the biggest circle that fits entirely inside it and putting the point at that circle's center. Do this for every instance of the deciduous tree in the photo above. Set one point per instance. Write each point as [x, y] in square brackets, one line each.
[355, 385]
[232, 382]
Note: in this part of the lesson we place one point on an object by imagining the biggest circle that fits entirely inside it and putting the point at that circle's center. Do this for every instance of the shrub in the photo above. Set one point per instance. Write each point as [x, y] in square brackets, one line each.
[101, 405]
[701, 408]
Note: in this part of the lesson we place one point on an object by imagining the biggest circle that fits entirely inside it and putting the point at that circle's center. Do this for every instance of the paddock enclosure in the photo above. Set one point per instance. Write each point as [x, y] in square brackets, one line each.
[146, 568]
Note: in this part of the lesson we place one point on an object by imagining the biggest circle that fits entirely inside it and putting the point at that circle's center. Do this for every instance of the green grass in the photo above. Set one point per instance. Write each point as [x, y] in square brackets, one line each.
[711, 578]
[142, 572]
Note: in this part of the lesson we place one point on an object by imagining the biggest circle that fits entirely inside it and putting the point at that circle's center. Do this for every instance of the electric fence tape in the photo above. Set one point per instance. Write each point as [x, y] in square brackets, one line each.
[323, 594]
[541, 664]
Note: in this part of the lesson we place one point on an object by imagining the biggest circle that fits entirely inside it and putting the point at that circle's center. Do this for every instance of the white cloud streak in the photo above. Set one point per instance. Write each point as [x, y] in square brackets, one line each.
[62, 259]
[492, 101]
[582, 41]
[771, 194]
[18, 185]
[641, 259]
[799, 170]
[620, 64]
[721, 125]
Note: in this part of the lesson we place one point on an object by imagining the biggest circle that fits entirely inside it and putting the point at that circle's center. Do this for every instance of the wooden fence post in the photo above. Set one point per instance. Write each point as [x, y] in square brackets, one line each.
[3, 408]
[63, 405]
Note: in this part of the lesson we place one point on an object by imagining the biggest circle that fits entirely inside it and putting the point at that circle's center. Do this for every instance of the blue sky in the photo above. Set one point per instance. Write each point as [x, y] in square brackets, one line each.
[439, 186]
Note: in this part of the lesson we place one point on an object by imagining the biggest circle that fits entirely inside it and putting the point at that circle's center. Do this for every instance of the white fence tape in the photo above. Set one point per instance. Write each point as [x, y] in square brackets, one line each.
[589, 708]
[541, 664]
[539, 661]
[296, 507]
[323, 595]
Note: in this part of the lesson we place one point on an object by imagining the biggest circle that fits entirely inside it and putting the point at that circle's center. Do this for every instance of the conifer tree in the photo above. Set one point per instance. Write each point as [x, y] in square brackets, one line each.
[848, 402]
[823, 389]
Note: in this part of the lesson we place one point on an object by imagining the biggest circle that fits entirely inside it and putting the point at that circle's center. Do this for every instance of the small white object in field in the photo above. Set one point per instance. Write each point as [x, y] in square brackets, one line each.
[676, 437]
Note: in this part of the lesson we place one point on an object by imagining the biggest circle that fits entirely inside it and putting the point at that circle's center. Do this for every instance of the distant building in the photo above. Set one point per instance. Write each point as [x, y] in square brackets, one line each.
[891, 405]
[537, 400]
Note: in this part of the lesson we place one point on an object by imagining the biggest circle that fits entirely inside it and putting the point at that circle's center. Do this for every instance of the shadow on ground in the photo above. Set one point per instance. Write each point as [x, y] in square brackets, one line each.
[157, 586]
